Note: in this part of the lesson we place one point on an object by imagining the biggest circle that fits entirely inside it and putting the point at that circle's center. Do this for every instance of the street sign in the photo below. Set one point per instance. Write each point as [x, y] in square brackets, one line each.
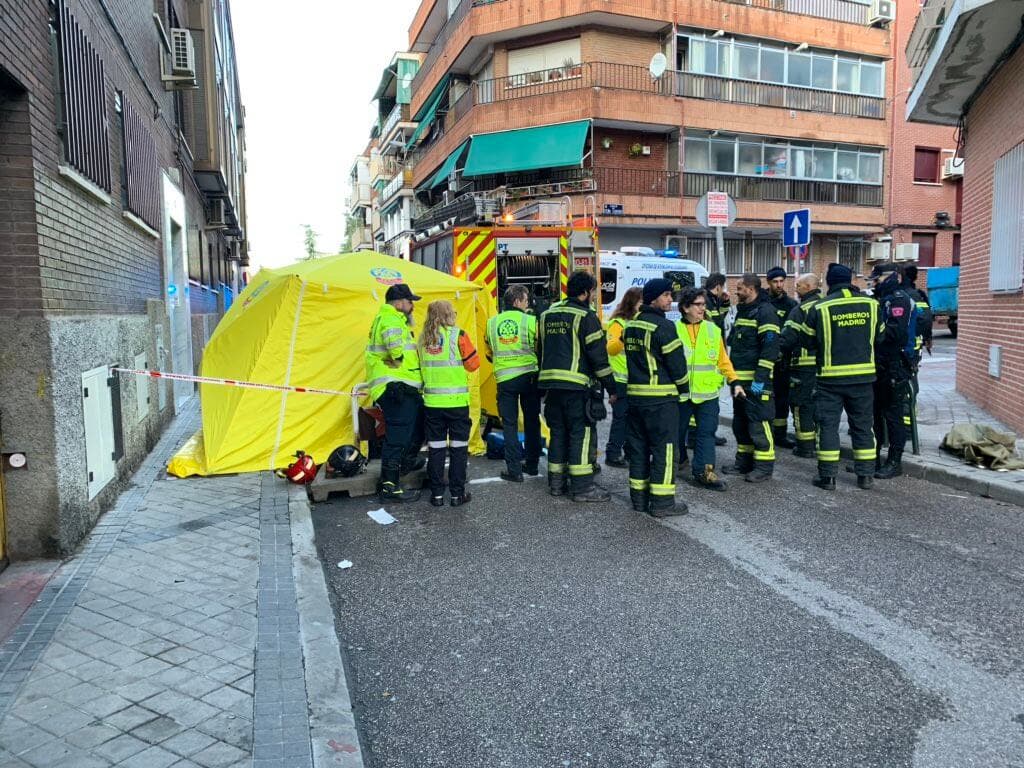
[716, 209]
[613, 209]
[796, 227]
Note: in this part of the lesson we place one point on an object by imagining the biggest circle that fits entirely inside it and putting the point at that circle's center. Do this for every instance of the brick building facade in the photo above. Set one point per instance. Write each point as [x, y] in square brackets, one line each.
[980, 87]
[121, 233]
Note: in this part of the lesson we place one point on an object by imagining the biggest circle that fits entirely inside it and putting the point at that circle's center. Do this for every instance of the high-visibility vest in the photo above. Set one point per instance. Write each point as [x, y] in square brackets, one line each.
[445, 381]
[702, 361]
[391, 330]
[848, 323]
[620, 369]
[512, 336]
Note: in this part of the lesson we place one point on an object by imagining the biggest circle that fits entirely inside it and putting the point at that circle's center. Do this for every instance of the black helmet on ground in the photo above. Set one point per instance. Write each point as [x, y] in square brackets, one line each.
[346, 461]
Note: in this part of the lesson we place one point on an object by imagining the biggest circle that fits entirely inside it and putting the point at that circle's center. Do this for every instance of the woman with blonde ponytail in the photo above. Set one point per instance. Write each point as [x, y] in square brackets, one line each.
[447, 357]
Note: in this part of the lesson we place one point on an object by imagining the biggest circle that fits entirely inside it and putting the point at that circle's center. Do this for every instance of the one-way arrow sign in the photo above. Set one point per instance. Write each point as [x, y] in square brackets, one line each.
[796, 227]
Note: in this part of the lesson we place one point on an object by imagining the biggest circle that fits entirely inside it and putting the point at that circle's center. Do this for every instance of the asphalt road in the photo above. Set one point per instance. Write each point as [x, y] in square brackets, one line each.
[773, 626]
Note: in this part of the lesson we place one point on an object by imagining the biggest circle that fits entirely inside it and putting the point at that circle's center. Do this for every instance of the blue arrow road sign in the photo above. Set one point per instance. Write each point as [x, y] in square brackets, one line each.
[796, 227]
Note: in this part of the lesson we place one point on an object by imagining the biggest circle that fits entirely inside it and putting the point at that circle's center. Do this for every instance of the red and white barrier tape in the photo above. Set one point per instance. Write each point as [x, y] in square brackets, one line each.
[232, 382]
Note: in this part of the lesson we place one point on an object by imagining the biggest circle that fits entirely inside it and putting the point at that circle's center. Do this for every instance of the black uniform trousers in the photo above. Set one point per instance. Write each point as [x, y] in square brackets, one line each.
[447, 429]
[520, 392]
[858, 402]
[402, 407]
[892, 412]
[617, 432]
[752, 427]
[802, 383]
[652, 431]
[569, 449]
[780, 385]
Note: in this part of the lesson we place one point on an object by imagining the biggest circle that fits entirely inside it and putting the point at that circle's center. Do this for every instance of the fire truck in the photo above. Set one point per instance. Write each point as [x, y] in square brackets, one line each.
[536, 252]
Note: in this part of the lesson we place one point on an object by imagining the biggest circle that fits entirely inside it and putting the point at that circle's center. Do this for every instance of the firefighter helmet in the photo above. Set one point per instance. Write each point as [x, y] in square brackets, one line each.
[302, 470]
[346, 461]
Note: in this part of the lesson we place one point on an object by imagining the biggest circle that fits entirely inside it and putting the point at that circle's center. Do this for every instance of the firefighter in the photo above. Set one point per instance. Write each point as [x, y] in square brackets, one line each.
[623, 313]
[717, 299]
[572, 352]
[708, 367]
[447, 357]
[512, 346]
[784, 304]
[754, 348]
[393, 370]
[842, 329]
[924, 308]
[801, 366]
[657, 378]
[896, 360]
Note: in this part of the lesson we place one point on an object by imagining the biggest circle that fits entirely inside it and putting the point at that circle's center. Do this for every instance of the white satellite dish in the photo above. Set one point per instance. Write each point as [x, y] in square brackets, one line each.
[659, 63]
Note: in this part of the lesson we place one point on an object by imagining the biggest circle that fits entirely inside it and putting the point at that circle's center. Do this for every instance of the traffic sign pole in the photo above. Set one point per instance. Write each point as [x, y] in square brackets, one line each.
[720, 244]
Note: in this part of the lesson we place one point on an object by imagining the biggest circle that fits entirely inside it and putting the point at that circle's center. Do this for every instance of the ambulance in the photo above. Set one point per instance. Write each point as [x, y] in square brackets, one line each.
[633, 266]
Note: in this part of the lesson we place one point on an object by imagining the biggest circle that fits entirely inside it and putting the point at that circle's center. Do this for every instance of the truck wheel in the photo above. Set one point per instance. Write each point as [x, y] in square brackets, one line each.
[952, 327]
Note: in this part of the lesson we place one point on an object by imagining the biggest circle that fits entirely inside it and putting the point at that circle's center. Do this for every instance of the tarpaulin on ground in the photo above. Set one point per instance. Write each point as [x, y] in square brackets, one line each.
[306, 325]
[983, 446]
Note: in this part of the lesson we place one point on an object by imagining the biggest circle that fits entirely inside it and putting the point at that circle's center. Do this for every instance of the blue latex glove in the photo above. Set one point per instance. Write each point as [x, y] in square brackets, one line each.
[757, 387]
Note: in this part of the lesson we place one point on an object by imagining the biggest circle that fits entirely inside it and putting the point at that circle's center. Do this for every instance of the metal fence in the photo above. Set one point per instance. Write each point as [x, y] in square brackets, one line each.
[837, 10]
[783, 189]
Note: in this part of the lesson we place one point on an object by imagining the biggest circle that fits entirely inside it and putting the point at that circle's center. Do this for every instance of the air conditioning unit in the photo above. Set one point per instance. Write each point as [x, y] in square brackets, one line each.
[906, 252]
[217, 217]
[882, 12]
[183, 53]
[880, 250]
[953, 168]
[676, 243]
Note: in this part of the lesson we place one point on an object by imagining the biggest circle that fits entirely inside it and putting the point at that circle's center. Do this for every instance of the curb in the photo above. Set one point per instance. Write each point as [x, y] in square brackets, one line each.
[965, 479]
[332, 723]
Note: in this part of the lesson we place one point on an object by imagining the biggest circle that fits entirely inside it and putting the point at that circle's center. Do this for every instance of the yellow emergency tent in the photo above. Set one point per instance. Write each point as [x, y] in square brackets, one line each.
[306, 325]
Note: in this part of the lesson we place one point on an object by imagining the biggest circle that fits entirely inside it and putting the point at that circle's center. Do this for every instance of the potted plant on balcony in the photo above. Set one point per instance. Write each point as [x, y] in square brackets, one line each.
[606, 142]
[636, 149]
[554, 74]
[571, 68]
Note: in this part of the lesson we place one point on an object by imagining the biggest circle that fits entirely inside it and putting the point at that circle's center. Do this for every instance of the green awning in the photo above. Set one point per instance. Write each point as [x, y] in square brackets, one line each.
[441, 177]
[527, 149]
[385, 81]
[429, 114]
[430, 105]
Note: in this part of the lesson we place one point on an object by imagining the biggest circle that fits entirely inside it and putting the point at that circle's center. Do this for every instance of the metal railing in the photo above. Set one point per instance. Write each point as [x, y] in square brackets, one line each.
[779, 189]
[638, 181]
[441, 41]
[837, 10]
[393, 187]
[714, 88]
[399, 114]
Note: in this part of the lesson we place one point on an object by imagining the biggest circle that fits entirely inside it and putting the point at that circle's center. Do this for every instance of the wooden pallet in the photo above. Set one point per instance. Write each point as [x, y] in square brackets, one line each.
[363, 484]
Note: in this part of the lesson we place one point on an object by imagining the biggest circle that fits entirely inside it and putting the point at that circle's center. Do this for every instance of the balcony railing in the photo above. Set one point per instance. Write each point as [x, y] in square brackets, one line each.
[637, 181]
[402, 180]
[598, 74]
[437, 47]
[837, 10]
[776, 189]
[399, 114]
[715, 88]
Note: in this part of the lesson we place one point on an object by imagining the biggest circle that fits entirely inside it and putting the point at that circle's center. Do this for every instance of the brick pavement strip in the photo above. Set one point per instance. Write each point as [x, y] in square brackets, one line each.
[174, 637]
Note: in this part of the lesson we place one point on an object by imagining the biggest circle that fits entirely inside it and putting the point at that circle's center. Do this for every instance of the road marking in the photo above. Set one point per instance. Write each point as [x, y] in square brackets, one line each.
[982, 728]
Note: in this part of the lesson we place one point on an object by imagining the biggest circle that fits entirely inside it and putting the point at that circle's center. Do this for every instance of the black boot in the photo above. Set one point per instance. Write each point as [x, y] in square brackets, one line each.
[709, 479]
[720, 441]
[594, 493]
[458, 501]
[413, 463]
[893, 467]
[805, 449]
[530, 469]
[762, 472]
[640, 500]
[782, 439]
[666, 506]
[616, 461]
[558, 484]
[391, 490]
[743, 465]
[865, 482]
[825, 483]
[512, 478]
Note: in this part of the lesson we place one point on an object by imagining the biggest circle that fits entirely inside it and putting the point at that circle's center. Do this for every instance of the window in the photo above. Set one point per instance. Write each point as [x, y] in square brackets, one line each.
[83, 102]
[757, 156]
[1006, 268]
[847, 75]
[773, 65]
[822, 72]
[767, 254]
[925, 249]
[746, 66]
[872, 78]
[851, 254]
[539, 58]
[956, 250]
[140, 171]
[926, 165]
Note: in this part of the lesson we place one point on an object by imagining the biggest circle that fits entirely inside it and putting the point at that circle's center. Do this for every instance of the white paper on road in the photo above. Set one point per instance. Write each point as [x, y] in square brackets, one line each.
[344, 564]
[381, 516]
[481, 480]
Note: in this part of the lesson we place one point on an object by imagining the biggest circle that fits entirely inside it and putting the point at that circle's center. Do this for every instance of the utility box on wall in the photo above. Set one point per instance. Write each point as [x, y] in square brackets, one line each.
[98, 413]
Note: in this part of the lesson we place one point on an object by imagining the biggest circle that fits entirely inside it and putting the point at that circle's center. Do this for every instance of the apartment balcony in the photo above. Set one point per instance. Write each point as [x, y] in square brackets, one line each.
[360, 197]
[400, 114]
[402, 181]
[776, 189]
[848, 11]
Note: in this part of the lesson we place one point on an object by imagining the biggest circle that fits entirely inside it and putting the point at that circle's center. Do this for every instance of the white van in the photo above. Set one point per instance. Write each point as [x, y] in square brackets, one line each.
[634, 266]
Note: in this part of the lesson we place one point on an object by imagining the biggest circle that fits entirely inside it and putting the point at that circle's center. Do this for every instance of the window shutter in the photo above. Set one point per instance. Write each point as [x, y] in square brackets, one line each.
[1006, 268]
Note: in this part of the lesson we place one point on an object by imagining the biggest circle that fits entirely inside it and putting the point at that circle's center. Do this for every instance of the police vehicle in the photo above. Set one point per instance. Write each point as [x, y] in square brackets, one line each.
[633, 266]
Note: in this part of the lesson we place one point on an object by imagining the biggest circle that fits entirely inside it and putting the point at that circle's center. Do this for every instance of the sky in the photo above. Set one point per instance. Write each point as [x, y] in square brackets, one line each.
[308, 77]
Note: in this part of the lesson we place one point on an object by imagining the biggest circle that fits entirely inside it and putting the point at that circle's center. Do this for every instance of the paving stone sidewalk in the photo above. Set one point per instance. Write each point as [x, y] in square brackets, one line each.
[172, 639]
